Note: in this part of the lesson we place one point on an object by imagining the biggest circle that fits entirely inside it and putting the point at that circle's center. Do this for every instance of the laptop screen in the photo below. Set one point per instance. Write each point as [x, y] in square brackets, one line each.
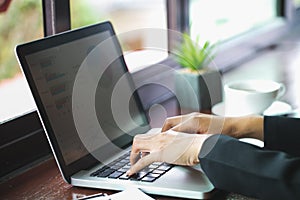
[87, 95]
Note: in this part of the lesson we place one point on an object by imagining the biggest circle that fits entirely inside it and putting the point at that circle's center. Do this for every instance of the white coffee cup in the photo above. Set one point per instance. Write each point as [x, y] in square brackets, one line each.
[247, 97]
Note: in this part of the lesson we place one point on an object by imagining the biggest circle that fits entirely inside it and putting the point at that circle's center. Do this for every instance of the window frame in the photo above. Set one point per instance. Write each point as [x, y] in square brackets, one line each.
[23, 143]
[25, 135]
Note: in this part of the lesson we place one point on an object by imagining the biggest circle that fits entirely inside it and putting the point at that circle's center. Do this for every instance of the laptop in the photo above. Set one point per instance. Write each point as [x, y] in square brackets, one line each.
[90, 111]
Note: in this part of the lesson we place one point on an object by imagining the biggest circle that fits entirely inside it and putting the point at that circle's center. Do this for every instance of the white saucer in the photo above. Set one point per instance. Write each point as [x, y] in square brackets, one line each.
[253, 141]
[277, 108]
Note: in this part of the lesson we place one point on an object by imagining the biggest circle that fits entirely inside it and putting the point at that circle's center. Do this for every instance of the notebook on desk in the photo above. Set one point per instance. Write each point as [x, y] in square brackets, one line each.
[90, 112]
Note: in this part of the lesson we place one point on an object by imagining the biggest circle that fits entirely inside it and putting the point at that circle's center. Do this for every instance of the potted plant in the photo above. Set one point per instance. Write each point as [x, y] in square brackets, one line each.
[197, 86]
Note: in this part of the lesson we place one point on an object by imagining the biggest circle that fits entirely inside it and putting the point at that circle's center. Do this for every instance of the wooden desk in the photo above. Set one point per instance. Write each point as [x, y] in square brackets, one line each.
[45, 182]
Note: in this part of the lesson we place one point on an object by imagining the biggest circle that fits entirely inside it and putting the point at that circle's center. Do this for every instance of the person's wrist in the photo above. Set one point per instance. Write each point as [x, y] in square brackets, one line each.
[230, 127]
[256, 125]
[248, 126]
[196, 147]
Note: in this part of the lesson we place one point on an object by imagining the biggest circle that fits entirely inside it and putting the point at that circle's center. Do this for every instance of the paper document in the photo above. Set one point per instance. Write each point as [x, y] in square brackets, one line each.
[128, 194]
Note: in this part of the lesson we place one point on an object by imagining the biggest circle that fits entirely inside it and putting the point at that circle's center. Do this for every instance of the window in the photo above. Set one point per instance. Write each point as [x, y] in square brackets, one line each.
[20, 23]
[215, 20]
[297, 3]
[294, 12]
[239, 28]
[132, 21]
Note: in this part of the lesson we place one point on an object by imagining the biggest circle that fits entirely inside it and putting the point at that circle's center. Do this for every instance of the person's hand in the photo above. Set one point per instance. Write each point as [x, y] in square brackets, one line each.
[170, 147]
[238, 127]
[191, 123]
[196, 123]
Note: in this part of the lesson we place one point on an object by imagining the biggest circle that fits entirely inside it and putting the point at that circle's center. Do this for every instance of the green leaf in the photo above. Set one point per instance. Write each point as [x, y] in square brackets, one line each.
[190, 54]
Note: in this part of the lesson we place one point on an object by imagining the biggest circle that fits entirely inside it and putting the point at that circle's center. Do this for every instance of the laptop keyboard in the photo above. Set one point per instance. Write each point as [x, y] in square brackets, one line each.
[118, 168]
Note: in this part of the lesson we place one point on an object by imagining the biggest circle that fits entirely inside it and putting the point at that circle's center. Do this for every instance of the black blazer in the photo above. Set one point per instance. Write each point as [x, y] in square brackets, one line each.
[272, 172]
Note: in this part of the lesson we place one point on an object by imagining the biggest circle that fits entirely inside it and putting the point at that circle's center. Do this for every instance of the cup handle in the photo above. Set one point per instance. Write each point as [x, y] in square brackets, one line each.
[281, 91]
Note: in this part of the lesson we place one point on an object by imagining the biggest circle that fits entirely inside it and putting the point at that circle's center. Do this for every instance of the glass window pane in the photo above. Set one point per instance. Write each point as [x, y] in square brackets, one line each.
[215, 20]
[21, 22]
[128, 17]
[296, 3]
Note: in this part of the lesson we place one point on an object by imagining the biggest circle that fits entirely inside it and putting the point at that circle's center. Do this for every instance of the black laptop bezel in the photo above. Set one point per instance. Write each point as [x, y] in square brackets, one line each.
[23, 50]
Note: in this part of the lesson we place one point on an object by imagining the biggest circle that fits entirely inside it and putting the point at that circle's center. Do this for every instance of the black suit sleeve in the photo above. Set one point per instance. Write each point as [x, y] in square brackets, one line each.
[239, 167]
[282, 134]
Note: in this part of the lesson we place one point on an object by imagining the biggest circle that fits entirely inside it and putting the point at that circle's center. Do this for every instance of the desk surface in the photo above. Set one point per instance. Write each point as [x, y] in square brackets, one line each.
[45, 182]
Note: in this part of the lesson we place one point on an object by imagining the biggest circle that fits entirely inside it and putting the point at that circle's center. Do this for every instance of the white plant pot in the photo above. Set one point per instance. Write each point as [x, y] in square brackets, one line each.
[198, 91]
